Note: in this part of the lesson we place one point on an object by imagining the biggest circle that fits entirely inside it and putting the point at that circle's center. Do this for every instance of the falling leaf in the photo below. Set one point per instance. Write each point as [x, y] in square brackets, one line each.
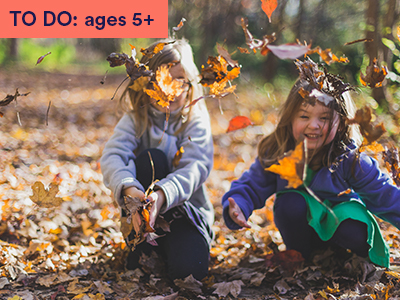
[288, 167]
[358, 41]
[243, 50]
[180, 25]
[154, 49]
[225, 54]
[289, 51]
[9, 98]
[177, 157]
[165, 89]
[40, 59]
[373, 75]
[327, 56]
[217, 71]
[392, 163]
[268, 6]
[238, 122]
[45, 197]
[363, 117]
[256, 44]
[133, 68]
[345, 192]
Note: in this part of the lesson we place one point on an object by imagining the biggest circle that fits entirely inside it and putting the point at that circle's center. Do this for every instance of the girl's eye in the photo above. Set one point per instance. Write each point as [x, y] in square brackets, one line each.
[303, 117]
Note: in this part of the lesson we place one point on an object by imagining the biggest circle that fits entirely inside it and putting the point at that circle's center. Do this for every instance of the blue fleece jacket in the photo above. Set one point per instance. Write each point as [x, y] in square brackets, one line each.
[364, 178]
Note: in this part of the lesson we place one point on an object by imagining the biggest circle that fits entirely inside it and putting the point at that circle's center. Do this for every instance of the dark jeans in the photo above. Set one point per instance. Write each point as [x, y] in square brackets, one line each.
[290, 216]
[184, 249]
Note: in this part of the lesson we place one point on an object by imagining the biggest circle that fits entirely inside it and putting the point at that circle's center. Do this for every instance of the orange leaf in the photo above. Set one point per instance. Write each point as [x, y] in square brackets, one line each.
[327, 56]
[239, 122]
[373, 76]
[287, 167]
[268, 6]
[165, 88]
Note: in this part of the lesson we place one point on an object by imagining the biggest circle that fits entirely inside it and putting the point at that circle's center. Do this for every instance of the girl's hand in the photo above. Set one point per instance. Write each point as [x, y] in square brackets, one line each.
[135, 193]
[236, 214]
[158, 199]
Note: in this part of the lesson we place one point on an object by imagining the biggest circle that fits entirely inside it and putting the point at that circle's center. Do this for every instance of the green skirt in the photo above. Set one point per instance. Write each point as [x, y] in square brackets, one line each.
[325, 223]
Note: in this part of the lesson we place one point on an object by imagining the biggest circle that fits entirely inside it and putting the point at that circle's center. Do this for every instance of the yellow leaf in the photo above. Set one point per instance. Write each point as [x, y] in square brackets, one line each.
[287, 167]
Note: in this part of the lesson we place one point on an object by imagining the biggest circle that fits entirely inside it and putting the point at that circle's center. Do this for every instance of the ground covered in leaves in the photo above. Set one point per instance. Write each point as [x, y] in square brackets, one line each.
[76, 251]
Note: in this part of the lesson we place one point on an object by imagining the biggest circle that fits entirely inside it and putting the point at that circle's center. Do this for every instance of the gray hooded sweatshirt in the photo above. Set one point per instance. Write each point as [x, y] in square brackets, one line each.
[183, 187]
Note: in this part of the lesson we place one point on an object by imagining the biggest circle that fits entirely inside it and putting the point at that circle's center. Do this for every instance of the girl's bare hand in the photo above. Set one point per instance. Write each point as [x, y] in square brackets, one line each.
[157, 199]
[236, 214]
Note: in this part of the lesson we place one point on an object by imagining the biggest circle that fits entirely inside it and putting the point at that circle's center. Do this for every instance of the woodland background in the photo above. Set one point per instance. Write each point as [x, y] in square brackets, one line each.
[56, 134]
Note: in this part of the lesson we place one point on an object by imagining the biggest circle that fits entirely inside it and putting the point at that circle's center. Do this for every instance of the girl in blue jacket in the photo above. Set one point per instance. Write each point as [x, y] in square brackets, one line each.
[179, 194]
[350, 183]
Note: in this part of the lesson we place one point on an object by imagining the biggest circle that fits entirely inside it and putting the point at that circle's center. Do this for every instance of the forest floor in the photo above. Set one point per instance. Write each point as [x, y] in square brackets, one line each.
[76, 251]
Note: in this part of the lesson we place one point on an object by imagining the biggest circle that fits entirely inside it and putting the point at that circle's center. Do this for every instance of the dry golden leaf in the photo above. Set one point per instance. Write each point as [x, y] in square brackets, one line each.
[45, 197]
[287, 167]
[154, 49]
[217, 89]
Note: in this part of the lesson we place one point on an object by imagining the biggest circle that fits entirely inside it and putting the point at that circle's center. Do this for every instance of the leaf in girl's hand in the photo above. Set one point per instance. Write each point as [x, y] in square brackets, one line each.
[373, 75]
[177, 157]
[289, 51]
[327, 56]
[291, 167]
[238, 122]
[40, 59]
[45, 197]
[154, 49]
[268, 6]
[132, 204]
[179, 26]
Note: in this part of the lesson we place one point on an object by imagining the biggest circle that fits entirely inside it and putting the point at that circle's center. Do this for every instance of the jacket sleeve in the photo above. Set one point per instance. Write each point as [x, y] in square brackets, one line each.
[250, 192]
[196, 162]
[376, 190]
[117, 161]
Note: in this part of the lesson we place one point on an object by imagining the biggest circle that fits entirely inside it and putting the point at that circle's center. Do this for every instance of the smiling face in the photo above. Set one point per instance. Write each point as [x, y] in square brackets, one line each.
[178, 73]
[312, 123]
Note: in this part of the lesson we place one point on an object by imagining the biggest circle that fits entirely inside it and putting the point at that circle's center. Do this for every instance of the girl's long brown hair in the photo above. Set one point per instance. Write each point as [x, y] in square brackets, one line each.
[138, 102]
[281, 140]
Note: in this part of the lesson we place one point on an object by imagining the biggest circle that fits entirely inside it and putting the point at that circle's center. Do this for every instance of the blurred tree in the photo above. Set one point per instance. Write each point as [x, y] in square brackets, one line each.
[375, 30]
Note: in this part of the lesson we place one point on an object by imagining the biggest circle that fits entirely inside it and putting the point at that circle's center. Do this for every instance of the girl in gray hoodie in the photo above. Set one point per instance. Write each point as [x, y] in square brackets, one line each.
[142, 149]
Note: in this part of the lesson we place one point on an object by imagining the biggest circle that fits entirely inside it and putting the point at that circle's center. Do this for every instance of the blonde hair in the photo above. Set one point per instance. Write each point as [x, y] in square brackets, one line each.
[179, 51]
[282, 140]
